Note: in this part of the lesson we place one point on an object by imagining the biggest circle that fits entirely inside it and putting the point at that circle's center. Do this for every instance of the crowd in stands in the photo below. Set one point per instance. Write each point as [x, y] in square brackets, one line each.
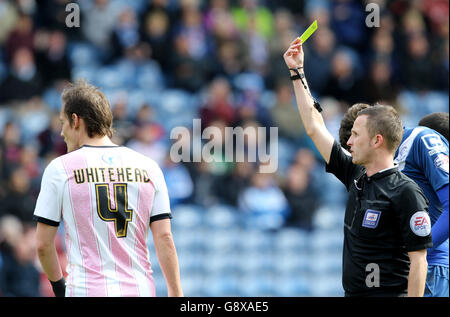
[163, 63]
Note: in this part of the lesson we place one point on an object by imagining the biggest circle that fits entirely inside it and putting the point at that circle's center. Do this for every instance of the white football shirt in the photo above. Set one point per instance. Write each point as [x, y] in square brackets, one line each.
[106, 196]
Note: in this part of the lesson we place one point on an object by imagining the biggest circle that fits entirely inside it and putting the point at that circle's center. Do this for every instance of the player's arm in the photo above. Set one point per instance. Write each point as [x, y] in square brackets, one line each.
[47, 213]
[311, 118]
[439, 231]
[417, 273]
[167, 255]
[46, 249]
[435, 168]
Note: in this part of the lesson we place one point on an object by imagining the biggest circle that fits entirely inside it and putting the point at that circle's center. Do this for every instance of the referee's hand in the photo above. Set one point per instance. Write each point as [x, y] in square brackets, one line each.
[59, 287]
[294, 55]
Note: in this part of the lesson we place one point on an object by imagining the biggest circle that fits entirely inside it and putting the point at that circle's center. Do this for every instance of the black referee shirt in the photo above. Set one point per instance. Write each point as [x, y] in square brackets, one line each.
[386, 217]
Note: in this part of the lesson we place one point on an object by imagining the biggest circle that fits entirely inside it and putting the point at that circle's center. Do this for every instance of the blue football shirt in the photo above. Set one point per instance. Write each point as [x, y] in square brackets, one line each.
[423, 157]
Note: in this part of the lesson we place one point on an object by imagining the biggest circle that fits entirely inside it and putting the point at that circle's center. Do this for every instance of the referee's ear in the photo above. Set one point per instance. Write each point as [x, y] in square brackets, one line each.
[378, 140]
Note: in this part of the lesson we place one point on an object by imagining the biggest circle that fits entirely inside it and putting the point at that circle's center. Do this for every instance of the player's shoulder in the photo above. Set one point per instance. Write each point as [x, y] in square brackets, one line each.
[425, 134]
[139, 157]
[424, 139]
[54, 171]
[55, 164]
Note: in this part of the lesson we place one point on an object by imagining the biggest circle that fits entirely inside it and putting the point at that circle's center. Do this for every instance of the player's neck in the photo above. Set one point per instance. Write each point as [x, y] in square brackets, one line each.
[96, 141]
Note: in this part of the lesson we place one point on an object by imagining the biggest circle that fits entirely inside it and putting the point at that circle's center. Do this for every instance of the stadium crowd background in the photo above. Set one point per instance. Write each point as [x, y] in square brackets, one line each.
[163, 63]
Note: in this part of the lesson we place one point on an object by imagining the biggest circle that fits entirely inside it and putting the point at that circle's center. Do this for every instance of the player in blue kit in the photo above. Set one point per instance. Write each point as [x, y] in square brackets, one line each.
[423, 156]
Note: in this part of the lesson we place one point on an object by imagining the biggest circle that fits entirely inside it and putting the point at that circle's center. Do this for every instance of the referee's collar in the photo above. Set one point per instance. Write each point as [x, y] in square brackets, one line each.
[384, 172]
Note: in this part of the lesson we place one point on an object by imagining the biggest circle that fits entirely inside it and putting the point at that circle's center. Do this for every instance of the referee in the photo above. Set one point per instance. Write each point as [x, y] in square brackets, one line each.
[386, 226]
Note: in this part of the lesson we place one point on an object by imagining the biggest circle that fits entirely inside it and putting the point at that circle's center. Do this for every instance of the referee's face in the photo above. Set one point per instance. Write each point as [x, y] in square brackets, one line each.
[360, 142]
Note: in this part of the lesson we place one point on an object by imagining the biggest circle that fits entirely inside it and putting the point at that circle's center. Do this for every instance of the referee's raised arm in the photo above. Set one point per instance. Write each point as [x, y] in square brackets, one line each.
[311, 117]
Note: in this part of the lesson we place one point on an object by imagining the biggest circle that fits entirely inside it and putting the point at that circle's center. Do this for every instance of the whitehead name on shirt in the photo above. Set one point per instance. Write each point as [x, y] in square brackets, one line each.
[110, 174]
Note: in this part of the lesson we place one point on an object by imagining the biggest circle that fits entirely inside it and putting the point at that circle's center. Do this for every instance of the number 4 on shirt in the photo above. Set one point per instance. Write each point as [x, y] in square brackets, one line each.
[121, 215]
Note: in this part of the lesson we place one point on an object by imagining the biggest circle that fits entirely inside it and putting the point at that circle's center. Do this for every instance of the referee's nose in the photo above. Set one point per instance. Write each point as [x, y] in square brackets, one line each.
[350, 141]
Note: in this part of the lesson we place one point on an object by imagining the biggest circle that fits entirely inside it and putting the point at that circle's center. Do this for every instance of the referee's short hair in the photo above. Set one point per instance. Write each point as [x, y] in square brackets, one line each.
[384, 120]
[89, 103]
[437, 121]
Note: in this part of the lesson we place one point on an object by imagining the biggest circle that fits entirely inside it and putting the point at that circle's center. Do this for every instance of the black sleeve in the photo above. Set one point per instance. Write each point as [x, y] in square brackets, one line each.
[415, 223]
[341, 165]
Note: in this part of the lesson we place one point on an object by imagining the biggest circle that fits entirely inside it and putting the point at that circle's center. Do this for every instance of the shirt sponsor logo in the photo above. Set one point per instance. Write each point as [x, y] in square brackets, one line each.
[110, 159]
[371, 218]
[420, 224]
[441, 162]
[433, 143]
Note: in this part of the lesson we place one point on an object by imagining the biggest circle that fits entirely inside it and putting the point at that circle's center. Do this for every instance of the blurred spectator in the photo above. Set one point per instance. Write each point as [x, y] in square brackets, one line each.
[441, 67]
[277, 48]
[125, 33]
[236, 182]
[53, 55]
[249, 108]
[178, 180]
[24, 80]
[193, 32]
[2, 172]
[264, 203]
[18, 274]
[382, 48]
[252, 14]
[8, 19]
[285, 113]
[378, 86]
[11, 145]
[187, 72]
[437, 13]
[302, 198]
[99, 20]
[348, 22]
[218, 104]
[21, 37]
[148, 142]
[17, 199]
[29, 161]
[155, 31]
[51, 143]
[145, 114]
[219, 22]
[52, 14]
[229, 58]
[122, 123]
[320, 55]
[205, 183]
[417, 68]
[343, 81]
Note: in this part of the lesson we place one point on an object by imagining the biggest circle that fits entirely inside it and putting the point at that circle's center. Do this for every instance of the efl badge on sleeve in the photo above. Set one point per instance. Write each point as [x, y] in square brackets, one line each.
[371, 218]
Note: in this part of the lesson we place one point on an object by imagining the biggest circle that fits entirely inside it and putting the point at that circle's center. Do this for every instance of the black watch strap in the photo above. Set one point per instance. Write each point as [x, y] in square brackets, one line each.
[297, 75]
